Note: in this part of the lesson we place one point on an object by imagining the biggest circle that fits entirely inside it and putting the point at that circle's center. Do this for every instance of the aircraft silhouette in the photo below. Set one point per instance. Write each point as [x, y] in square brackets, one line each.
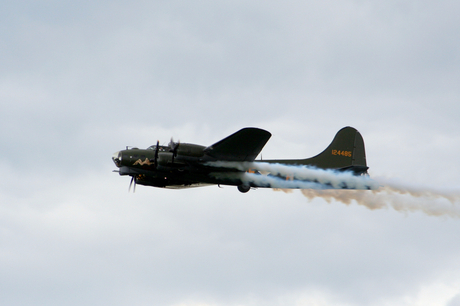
[183, 165]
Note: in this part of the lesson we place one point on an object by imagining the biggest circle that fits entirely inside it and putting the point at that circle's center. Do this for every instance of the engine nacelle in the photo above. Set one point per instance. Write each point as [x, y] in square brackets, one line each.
[164, 158]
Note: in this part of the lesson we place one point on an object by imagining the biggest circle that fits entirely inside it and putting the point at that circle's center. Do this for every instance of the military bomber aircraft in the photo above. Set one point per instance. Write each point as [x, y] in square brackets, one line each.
[182, 165]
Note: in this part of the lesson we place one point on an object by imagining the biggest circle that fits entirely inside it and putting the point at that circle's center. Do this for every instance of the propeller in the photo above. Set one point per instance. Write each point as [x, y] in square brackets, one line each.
[174, 146]
[133, 179]
[156, 153]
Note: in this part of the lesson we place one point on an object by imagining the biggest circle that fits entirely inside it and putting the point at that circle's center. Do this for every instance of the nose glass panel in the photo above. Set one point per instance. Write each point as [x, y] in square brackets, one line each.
[116, 157]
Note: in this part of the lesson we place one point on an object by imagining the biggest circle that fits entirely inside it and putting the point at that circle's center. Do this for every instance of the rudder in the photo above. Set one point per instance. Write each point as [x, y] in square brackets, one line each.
[346, 153]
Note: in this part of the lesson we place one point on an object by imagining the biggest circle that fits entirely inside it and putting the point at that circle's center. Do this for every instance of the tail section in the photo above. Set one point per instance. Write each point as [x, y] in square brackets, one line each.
[345, 153]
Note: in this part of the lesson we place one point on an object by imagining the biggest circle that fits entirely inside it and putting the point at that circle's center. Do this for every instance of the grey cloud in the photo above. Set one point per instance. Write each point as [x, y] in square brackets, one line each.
[80, 81]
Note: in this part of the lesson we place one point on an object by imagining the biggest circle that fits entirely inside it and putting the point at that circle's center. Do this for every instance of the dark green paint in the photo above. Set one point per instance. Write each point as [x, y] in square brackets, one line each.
[185, 165]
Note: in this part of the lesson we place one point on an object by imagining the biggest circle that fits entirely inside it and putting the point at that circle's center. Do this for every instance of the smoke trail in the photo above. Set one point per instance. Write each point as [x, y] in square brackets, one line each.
[399, 196]
[429, 202]
[298, 177]
[384, 193]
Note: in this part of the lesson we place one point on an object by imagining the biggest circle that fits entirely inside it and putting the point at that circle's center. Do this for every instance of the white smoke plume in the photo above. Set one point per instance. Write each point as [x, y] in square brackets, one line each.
[298, 177]
[328, 184]
[400, 198]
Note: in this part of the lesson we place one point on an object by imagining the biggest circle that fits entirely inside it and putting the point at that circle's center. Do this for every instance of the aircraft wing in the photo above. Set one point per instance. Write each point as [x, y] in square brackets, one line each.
[243, 145]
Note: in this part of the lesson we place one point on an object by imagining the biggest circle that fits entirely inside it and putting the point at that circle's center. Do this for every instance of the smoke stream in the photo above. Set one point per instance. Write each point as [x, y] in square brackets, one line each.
[384, 193]
[431, 203]
[298, 177]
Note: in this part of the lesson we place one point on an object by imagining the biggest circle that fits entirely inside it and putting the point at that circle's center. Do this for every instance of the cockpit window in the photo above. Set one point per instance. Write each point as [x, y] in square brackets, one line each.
[160, 148]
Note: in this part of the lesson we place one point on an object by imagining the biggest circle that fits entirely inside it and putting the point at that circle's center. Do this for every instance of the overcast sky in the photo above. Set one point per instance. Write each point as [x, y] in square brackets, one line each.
[80, 80]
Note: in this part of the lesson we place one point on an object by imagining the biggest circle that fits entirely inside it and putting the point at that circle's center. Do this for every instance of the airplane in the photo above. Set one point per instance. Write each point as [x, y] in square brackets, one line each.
[183, 165]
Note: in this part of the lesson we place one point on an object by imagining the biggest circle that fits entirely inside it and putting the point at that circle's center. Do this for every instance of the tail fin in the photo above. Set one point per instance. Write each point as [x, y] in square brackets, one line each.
[346, 153]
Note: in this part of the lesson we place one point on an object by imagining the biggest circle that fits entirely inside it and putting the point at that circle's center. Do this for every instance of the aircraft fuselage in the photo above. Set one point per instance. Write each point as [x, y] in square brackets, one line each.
[182, 165]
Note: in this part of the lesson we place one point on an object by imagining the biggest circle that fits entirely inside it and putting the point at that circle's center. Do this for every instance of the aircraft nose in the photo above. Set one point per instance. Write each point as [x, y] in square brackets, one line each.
[116, 157]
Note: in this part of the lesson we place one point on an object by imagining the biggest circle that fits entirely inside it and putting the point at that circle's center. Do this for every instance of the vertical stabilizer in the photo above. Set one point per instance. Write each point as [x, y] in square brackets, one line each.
[346, 152]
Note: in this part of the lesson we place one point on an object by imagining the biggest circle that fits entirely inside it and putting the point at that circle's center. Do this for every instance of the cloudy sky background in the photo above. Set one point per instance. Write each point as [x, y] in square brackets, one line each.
[81, 80]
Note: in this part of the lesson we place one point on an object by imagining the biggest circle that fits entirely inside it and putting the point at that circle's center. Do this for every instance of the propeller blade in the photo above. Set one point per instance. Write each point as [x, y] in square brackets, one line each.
[130, 184]
[155, 159]
[173, 147]
[133, 179]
